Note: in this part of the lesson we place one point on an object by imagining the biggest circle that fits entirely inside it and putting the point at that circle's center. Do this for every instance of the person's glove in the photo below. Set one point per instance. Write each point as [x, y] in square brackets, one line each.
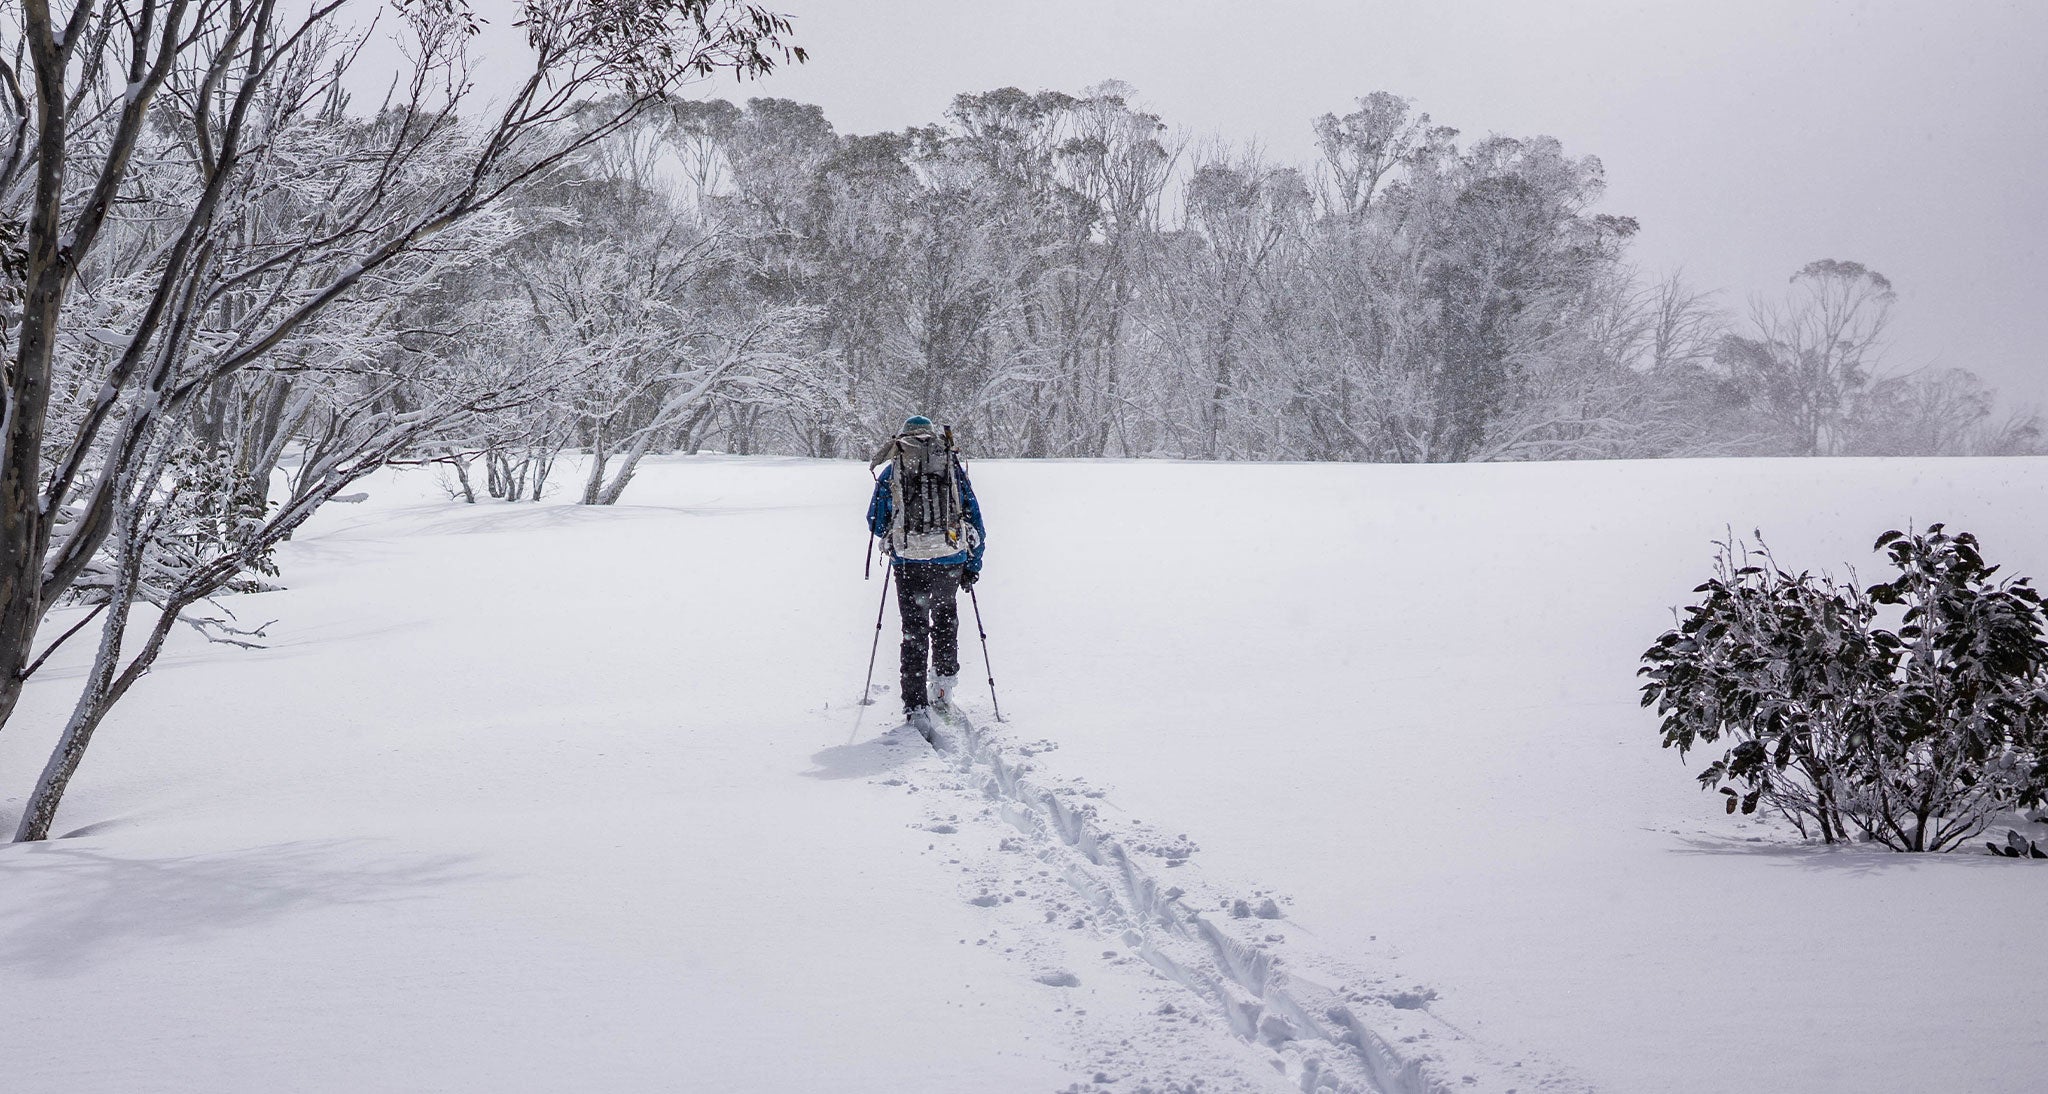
[968, 579]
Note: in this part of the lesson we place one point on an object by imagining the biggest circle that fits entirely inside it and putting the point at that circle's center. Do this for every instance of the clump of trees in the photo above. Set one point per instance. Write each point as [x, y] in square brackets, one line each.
[1916, 735]
[1063, 275]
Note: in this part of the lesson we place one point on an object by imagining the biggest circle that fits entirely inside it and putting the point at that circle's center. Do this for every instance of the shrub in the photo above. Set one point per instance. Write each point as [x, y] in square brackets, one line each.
[1916, 737]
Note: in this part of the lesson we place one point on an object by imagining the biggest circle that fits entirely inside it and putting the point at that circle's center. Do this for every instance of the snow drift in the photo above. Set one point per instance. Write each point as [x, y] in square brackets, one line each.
[1314, 777]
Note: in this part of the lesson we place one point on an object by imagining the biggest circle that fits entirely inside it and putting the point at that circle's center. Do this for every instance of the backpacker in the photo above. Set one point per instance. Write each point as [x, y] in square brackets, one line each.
[927, 521]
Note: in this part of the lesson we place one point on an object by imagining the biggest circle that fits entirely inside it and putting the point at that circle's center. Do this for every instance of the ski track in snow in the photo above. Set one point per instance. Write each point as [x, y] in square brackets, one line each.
[1078, 896]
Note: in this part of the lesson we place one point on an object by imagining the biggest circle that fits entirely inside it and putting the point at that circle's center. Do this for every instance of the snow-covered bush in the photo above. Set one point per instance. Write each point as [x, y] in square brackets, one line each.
[1916, 737]
[217, 509]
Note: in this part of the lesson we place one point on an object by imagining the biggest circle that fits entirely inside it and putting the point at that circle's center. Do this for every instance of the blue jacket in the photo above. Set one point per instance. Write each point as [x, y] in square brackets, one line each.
[882, 509]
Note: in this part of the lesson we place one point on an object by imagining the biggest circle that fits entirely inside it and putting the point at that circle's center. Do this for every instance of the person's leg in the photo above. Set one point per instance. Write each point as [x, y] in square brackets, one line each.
[914, 608]
[945, 587]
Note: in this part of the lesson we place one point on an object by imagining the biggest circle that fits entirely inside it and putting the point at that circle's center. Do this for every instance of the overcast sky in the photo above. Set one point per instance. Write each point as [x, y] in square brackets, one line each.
[1748, 136]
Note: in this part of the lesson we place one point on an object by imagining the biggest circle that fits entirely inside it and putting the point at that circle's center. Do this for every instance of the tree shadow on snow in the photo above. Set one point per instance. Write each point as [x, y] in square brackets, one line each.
[519, 518]
[877, 755]
[65, 907]
[297, 641]
[1856, 858]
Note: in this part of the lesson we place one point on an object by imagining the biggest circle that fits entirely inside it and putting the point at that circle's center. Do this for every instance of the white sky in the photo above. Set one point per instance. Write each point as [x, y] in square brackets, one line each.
[1748, 136]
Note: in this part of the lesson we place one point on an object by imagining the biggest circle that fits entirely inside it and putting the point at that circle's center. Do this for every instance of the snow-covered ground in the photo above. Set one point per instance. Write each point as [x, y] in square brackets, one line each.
[548, 798]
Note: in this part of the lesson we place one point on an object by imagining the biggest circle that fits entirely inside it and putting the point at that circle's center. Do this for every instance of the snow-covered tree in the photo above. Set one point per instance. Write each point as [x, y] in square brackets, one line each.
[194, 201]
[1809, 356]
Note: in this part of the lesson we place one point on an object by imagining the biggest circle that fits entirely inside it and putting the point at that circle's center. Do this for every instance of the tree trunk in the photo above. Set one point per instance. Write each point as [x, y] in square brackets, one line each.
[593, 484]
[462, 474]
[544, 464]
[24, 530]
[103, 686]
[105, 683]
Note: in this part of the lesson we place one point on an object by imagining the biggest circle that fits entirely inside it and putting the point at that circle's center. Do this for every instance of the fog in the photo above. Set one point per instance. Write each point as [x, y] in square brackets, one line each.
[1748, 137]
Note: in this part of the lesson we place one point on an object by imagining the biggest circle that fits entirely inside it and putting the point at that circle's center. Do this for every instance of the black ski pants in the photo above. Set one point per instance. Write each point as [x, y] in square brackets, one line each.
[931, 626]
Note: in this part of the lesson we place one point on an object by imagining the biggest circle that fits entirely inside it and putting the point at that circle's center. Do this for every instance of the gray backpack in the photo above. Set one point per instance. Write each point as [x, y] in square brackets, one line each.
[928, 520]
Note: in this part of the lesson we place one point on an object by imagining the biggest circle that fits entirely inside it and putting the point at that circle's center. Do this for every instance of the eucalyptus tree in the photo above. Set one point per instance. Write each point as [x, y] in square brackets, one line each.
[777, 220]
[864, 258]
[1119, 159]
[1212, 291]
[1362, 150]
[1511, 248]
[1811, 354]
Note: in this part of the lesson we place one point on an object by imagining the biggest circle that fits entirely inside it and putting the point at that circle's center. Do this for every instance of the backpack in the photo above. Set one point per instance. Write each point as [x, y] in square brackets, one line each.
[927, 520]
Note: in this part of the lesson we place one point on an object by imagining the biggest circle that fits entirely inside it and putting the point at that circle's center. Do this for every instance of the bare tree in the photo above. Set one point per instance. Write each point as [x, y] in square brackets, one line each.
[1940, 413]
[1809, 355]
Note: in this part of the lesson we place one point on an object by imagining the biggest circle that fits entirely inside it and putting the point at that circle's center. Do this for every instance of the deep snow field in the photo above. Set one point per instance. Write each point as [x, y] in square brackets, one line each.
[1312, 777]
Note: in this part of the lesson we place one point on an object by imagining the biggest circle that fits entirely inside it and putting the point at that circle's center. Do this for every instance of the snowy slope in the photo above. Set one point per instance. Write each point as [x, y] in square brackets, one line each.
[1419, 720]
[556, 798]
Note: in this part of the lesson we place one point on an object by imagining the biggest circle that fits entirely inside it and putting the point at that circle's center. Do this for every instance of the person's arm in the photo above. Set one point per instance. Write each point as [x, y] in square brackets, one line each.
[881, 508]
[973, 507]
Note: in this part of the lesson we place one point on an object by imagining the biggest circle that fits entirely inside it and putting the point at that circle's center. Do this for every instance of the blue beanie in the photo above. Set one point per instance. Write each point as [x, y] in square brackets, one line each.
[916, 421]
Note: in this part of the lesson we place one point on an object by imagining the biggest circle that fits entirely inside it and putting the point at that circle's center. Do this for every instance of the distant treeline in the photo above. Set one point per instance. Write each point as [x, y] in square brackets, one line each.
[1061, 275]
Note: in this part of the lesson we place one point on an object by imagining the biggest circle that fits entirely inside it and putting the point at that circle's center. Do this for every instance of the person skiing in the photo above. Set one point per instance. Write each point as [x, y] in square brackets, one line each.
[925, 512]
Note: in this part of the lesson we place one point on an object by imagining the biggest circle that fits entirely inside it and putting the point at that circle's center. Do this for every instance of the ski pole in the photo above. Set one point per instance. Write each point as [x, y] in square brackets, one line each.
[867, 700]
[997, 703]
[880, 610]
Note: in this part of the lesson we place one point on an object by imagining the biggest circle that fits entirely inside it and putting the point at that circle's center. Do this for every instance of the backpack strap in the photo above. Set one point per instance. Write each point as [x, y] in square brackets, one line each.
[894, 450]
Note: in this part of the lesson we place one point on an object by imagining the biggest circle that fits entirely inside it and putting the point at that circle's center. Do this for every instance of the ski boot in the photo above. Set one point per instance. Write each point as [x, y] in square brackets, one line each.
[943, 690]
[921, 720]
